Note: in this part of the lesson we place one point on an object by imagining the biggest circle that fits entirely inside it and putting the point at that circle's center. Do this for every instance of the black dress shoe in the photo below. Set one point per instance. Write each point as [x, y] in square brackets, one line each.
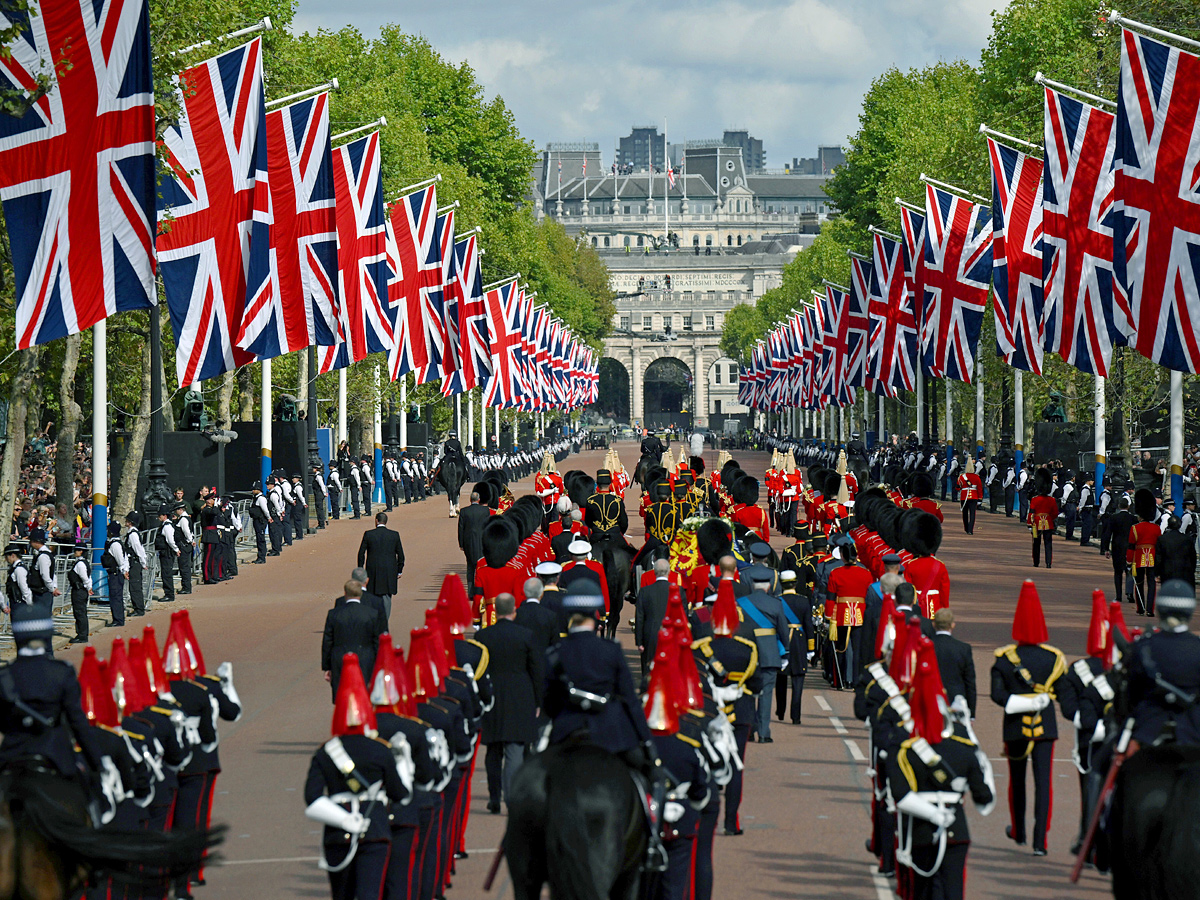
[767, 740]
[114, 625]
[1039, 851]
[461, 854]
[78, 640]
[494, 808]
[1008, 833]
[139, 613]
[734, 832]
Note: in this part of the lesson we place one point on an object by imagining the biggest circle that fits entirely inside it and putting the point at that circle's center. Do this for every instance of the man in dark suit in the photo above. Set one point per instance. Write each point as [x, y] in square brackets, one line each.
[368, 599]
[651, 608]
[906, 596]
[470, 535]
[954, 658]
[382, 555]
[541, 622]
[511, 723]
[350, 627]
[1120, 526]
[1175, 554]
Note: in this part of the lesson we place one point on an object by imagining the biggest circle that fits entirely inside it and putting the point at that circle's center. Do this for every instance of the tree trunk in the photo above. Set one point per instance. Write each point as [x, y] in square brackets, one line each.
[302, 380]
[225, 401]
[245, 395]
[36, 394]
[68, 426]
[126, 498]
[14, 446]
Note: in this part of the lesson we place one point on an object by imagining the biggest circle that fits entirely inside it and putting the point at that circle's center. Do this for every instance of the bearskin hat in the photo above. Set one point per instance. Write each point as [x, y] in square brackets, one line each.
[653, 474]
[920, 532]
[527, 518]
[887, 523]
[696, 464]
[731, 465]
[714, 540]
[921, 485]
[1043, 482]
[745, 490]
[815, 476]
[488, 495]
[830, 485]
[582, 487]
[865, 505]
[500, 541]
[1144, 505]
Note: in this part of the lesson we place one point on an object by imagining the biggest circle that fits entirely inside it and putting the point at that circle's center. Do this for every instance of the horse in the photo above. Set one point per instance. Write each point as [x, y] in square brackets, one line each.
[614, 555]
[452, 475]
[644, 464]
[575, 822]
[1152, 842]
[49, 849]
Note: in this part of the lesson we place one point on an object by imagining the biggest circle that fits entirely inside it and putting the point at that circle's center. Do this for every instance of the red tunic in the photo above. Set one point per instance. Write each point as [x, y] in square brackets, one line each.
[1043, 511]
[848, 584]
[1143, 537]
[754, 518]
[489, 584]
[970, 486]
[929, 505]
[928, 573]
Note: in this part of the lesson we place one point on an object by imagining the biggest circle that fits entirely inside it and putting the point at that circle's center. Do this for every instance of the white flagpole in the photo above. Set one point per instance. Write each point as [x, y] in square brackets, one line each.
[100, 447]
[377, 495]
[342, 430]
[471, 419]
[979, 409]
[404, 412]
[267, 414]
[666, 186]
[1176, 442]
[1101, 437]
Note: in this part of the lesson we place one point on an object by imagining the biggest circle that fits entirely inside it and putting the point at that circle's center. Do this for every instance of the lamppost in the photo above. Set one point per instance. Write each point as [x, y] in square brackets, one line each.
[157, 492]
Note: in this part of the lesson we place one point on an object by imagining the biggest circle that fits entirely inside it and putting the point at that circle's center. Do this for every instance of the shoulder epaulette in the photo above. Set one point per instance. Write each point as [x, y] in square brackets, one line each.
[483, 658]
[691, 742]
[1003, 651]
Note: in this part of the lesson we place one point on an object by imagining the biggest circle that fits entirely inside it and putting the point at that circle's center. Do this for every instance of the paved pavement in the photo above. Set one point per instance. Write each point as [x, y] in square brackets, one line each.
[806, 795]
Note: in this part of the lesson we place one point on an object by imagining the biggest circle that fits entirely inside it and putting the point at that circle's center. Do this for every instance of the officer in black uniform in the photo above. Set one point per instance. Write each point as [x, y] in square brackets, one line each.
[185, 539]
[335, 490]
[801, 644]
[732, 663]
[352, 782]
[662, 522]
[116, 564]
[604, 511]
[278, 511]
[300, 507]
[41, 571]
[135, 553]
[1024, 682]
[653, 446]
[260, 516]
[79, 577]
[16, 586]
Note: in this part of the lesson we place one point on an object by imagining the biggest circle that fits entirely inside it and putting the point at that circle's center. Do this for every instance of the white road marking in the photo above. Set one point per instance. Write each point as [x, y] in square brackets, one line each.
[823, 703]
[883, 887]
[837, 725]
[858, 755]
[300, 859]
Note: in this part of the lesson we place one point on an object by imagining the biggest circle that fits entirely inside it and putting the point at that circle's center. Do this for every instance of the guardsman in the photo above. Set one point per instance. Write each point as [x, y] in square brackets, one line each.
[746, 512]
[789, 495]
[921, 535]
[604, 512]
[847, 585]
[548, 484]
[801, 645]
[210, 540]
[687, 789]
[493, 575]
[1071, 688]
[352, 782]
[922, 489]
[928, 777]
[1043, 514]
[1143, 541]
[970, 492]
[731, 662]
[1024, 681]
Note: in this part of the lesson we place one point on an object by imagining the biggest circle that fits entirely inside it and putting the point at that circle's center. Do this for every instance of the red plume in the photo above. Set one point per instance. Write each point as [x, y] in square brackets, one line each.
[928, 700]
[389, 683]
[352, 712]
[662, 696]
[154, 664]
[1098, 637]
[725, 612]
[885, 625]
[95, 696]
[423, 673]
[692, 694]
[1029, 622]
[453, 598]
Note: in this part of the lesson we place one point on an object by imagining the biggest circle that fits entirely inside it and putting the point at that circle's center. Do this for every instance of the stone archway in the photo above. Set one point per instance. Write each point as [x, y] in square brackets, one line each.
[612, 398]
[668, 393]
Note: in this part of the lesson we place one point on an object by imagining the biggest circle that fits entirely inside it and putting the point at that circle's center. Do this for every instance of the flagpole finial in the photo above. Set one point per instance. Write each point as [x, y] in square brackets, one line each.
[382, 119]
[1039, 78]
[333, 84]
[266, 24]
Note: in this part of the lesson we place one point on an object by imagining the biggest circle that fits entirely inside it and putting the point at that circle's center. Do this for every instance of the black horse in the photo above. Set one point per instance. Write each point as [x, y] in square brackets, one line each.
[617, 559]
[575, 822]
[452, 475]
[1153, 839]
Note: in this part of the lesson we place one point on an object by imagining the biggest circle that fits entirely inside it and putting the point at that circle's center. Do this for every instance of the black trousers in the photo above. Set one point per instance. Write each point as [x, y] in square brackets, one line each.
[402, 859]
[1106, 535]
[319, 504]
[228, 556]
[276, 531]
[299, 520]
[431, 851]
[286, 523]
[364, 877]
[79, 608]
[1071, 512]
[260, 540]
[733, 790]
[166, 574]
[355, 500]
[1087, 521]
[968, 513]
[425, 836]
[781, 691]
[1042, 757]
[137, 590]
[1047, 538]
[211, 564]
[949, 882]
[186, 554]
[406, 485]
[995, 491]
[1119, 564]
[1147, 589]
[702, 870]
[673, 884]
[335, 503]
[387, 494]
[1010, 496]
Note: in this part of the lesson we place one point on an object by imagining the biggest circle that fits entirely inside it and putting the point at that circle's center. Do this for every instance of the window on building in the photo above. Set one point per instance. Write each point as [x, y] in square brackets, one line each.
[626, 209]
[606, 240]
[695, 240]
[729, 240]
[687, 323]
[594, 241]
[717, 407]
[710, 323]
[717, 372]
[626, 240]
[624, 323]
[708, 240]
[739, 240]
[641, 240]
[733, 375]
[647, 323]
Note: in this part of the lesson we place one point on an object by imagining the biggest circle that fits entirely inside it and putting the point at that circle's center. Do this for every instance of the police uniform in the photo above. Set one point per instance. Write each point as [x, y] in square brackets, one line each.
[335, 490]
[79, 577]
[320, 495]
[116, 564]
[135, 554]
[185, 539]
[278, 512]
[260, 515]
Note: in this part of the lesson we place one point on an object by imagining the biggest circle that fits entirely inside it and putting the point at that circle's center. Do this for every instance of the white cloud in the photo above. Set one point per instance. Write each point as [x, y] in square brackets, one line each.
[791, 71]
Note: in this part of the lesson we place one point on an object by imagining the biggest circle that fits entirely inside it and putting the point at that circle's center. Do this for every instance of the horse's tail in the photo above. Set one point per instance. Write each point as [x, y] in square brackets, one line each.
[1175, 852]
[145, 857]
[584, 839]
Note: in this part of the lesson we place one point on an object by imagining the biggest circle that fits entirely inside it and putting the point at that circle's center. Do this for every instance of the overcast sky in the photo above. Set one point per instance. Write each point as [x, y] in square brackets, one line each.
[793, 72]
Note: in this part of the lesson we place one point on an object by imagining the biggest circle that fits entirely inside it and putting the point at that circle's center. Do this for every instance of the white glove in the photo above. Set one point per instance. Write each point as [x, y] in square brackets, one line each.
[327, 812]
[225, 673]
[783, 666]
[1026, 703]
[958, 783]
[920, 808]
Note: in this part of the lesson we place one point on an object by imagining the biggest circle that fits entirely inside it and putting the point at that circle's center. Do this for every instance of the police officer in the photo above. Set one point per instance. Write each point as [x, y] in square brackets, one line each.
[116, 564]
[355, 484]
[135, 553]
[389, 482]
[260, 516]
[1010, 488]
[16, 586]
[168, 552]
[41, 571]
[352, 780]
[335, 490]
[299, 507]
[278, 512]
[1024, 679]
[1087, 509]
[320, 495]
[79, 577]
[185, 538]
[289, 501]
[210, 540]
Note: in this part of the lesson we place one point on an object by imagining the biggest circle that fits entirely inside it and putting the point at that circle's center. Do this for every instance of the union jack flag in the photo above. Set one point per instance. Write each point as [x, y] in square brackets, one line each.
[836, 344]
[442, 305]
[1017, 256]
[893, 355]
[912, 231]
[366, 319]
[858, 325]
[210, 237]
[957, 269]
[1077, 226]
[77, 170]
[1157, 235]
[505, 383]
[299, 304]
[420, 330]
[471, 317]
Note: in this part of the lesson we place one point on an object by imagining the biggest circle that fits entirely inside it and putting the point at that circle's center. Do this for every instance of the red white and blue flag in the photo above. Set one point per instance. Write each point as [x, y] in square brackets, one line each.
[894, 340]
[1017, 256]
[505, 383]
[1081, 320]
[420, 330]
[209, 235]
[1156, 239]
[858, 325]
[366, 319]
[474, 356]
[956, 272]
[77, 169]
[441, 307]
[299, 306]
